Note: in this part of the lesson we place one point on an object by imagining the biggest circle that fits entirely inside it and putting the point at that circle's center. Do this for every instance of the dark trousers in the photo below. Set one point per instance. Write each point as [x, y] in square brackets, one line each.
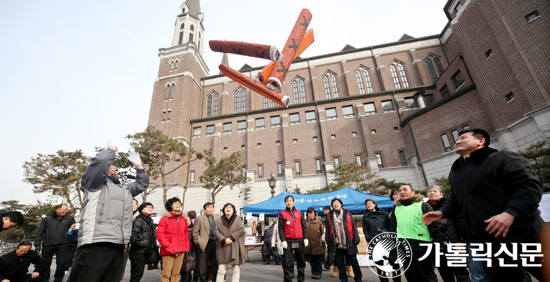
[60, 252]
[208, 259]
[288, 262]
[340, 258]
[448, 273]
[186, 277]
[330, 259]
[71, 249]
[316, 264]
[421, 270]
[99, 262]
[137, 265]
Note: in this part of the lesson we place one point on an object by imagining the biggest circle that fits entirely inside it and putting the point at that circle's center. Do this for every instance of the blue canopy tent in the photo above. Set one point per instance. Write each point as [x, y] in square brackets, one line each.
[353, 200]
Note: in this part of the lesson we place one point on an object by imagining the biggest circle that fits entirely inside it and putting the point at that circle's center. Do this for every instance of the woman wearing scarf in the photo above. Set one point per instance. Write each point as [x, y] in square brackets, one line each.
[314, 249]
[343, 238]
[229, 243]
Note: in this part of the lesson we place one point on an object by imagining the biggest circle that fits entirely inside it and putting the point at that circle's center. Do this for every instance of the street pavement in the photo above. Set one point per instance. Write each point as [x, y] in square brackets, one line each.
[253, 270]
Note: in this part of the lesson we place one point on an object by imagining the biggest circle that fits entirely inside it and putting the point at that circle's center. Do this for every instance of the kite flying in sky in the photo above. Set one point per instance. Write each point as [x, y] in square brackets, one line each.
[272, 76]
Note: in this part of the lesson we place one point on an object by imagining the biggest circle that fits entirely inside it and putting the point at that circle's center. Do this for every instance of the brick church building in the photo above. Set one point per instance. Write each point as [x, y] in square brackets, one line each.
[395, 107]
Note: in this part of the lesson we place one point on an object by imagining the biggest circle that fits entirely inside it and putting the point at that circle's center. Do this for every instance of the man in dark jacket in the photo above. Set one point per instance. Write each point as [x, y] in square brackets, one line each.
[106, 219]
[15, 265]
[51, 238]
[406, 221]
[498, 196]
[141, 240]
[11, 219]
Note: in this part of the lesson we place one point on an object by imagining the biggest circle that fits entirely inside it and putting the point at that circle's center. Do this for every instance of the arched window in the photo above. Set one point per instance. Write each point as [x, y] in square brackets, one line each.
[240, 100]
[363, 80]
[167, 92]
[265, 103]
[236, 94]
[209, 106]
[431, 70]
[326, 83]
[243, 100]
[171, 65]
[334, 86]
[172, 91]
[360, 81]
[191, 33]
[302, 91]
[399, 76]
[177, 64]
[403, 75]
[367, 80]
[182, 26]
[295, 92]
[438, 65]
[298, 90]
[394, 77]
[215, 110]
[430, 61]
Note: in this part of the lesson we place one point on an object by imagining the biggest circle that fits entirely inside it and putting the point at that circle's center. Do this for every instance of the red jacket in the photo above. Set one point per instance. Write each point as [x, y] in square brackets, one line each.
[293, 224]
[173, 234]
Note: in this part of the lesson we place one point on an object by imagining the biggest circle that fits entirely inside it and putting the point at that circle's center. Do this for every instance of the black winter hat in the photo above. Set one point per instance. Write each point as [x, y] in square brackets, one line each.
[142, 206]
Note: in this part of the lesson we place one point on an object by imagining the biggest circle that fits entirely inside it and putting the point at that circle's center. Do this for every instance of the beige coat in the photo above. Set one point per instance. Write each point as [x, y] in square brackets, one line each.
[234, 253]
[201, 231]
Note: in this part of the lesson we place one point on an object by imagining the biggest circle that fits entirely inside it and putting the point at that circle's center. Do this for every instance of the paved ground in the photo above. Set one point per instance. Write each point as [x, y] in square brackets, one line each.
[254, 270]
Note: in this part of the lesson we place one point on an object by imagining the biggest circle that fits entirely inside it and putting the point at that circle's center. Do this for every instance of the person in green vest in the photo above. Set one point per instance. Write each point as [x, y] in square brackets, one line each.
[406, 220]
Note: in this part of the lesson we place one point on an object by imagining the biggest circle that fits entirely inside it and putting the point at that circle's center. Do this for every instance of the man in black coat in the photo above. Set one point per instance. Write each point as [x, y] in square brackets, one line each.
[51, 237]
[498, 196]
[15, 265]
[142, 241]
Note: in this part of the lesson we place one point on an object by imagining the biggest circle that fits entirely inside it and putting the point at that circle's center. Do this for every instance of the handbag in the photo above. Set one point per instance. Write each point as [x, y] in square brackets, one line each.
[154, 257]
[188, 262]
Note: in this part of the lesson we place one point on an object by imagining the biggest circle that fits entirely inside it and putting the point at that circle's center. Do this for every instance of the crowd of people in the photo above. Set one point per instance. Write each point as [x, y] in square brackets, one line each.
[494, 201]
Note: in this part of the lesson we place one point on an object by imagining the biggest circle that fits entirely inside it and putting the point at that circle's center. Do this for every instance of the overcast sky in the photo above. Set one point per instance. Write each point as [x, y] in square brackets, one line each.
[74, 74]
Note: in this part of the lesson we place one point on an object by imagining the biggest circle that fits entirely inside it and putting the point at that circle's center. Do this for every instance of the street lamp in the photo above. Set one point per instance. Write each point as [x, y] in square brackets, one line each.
[272, 182]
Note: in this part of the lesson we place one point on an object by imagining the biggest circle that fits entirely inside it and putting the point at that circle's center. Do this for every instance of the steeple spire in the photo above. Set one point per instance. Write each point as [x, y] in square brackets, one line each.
[189, 27]
[194, 8]
[225, 60]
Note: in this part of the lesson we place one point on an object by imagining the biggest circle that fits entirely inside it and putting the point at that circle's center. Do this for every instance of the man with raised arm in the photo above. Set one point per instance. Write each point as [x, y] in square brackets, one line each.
[106, 220]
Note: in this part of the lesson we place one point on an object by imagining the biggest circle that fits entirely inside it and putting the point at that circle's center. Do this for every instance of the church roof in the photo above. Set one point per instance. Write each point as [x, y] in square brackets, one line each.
[194, 7]
[245, 67]
[405, 37]
[348, 48]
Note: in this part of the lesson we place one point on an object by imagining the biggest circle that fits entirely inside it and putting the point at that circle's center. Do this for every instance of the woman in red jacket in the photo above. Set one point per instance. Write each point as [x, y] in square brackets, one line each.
[173, 236]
